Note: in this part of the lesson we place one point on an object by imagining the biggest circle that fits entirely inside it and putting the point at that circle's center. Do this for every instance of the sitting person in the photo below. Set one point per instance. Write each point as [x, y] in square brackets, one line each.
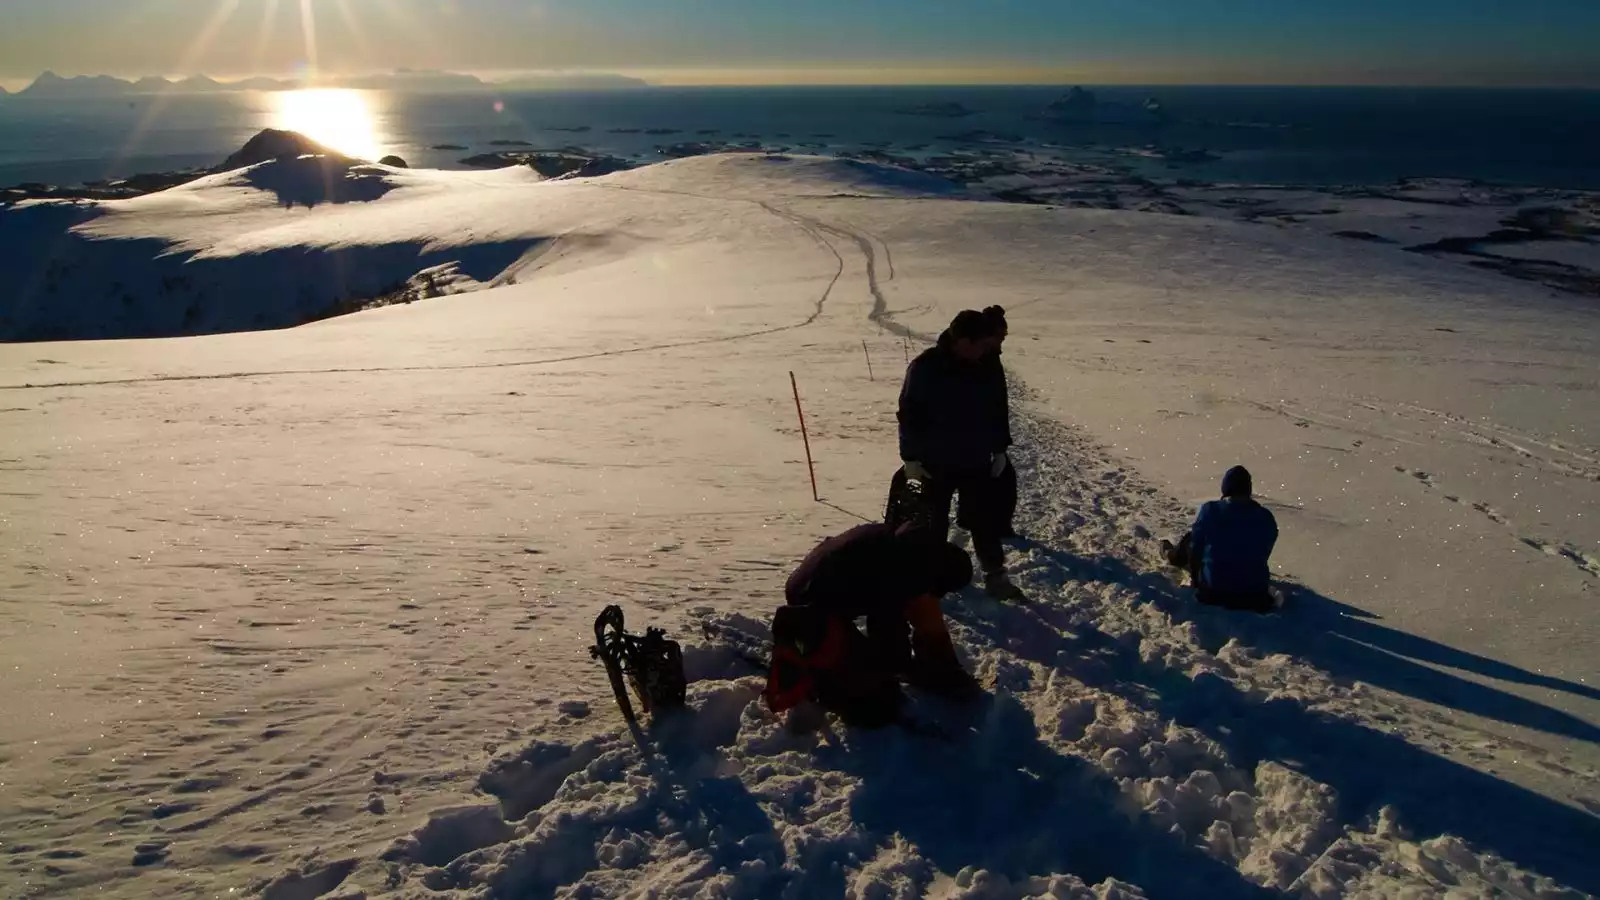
[894, 579]
[1227, 550]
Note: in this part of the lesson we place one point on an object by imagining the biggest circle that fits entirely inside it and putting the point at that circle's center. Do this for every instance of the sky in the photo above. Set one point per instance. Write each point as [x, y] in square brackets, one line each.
[1452, 42]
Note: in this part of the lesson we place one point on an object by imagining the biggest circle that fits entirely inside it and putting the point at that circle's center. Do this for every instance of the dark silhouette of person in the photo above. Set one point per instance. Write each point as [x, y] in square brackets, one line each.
[894, 579]
[955, 431]
[1228, 549]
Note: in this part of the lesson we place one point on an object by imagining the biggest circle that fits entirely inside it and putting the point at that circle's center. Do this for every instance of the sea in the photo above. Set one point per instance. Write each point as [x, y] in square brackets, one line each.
[1305, 136]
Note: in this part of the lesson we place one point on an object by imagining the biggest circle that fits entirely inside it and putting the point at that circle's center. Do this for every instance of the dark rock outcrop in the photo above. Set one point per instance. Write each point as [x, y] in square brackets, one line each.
[124, 189]
[1555, 220]
[551, 164]
[696, 148]
[273, 144]
[267, 146]
[1367, 236]
[393, 162]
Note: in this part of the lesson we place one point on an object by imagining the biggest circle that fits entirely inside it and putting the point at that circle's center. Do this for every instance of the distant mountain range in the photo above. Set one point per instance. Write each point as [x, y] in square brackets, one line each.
[52, 85]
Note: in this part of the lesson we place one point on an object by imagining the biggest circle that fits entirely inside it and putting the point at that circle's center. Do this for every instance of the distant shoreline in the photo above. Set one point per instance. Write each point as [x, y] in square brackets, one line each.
[1319, 137]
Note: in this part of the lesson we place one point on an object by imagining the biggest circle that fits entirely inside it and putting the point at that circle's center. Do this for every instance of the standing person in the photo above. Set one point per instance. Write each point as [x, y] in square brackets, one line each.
[955, 429]
[895, 580]
[1228, 550]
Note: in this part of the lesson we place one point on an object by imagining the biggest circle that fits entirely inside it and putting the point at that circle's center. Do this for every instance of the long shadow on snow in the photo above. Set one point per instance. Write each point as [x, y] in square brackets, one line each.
[1004, 801]
[1348, 643]
[1367, 768]
[310, 181]
[165, 295]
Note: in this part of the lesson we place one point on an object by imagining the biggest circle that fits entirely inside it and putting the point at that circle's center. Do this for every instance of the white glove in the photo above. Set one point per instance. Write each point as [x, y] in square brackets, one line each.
[916, 472]
[998, 463]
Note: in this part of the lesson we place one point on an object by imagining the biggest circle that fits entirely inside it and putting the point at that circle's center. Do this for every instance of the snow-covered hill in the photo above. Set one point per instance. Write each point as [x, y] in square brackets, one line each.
[306, 611]
[294, 240]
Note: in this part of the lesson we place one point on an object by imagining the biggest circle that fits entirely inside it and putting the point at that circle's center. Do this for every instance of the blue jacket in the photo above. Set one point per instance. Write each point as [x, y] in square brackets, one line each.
[1232, 541]
[953, 415]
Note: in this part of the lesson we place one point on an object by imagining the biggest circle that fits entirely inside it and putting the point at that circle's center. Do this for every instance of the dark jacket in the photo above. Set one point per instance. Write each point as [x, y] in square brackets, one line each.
[1232, 541]
[953, 415]
[864, 571]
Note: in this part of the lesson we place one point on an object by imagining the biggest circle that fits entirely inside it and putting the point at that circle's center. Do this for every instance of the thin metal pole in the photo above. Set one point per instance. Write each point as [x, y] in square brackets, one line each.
[810, 466]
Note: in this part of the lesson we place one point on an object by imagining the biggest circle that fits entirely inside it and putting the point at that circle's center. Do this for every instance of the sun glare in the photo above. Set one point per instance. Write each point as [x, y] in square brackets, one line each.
[340, 120]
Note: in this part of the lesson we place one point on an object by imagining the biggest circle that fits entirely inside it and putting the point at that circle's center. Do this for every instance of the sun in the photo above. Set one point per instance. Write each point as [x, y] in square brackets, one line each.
[338, 119]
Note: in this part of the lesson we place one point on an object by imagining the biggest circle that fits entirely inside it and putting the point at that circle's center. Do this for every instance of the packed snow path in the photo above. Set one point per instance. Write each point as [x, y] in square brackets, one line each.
[276, 600]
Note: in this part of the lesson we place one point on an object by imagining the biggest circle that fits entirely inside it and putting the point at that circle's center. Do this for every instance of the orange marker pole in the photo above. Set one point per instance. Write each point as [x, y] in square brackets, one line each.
[810, 466]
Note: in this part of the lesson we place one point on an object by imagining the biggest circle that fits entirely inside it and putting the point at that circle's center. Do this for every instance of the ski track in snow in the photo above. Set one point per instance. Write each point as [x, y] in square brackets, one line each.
[1586, 563]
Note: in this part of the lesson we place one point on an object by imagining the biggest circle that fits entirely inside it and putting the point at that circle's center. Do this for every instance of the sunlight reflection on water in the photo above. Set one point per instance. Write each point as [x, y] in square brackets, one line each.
[343, 120]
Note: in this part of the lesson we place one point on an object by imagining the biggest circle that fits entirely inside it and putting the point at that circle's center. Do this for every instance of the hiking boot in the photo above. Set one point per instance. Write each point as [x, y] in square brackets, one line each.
[998, 585]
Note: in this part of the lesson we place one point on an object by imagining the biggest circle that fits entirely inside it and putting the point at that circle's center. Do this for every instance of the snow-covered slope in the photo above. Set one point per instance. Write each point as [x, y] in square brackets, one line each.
[306, 611]
[294, 240]
[273, 245]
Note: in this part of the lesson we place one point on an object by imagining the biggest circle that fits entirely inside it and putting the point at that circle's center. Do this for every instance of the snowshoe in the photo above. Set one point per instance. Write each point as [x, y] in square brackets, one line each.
[651, 666]
[909, 507]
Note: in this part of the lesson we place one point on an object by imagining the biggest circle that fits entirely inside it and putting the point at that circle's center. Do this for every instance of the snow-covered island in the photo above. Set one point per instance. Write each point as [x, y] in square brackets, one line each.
[946, 109]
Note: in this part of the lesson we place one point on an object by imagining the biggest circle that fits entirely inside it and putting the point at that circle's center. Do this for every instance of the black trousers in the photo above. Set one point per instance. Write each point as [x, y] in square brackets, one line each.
[984, 511]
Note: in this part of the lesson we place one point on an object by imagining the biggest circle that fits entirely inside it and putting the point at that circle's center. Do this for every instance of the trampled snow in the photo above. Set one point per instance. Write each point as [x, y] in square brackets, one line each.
[306, 612]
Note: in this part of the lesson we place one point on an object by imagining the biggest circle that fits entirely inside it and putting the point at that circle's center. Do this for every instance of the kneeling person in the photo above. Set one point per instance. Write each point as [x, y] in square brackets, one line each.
[895, 581]
[1227, 550]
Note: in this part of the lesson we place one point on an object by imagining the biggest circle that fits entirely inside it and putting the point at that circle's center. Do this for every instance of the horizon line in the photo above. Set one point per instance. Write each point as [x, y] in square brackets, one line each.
[728, 78]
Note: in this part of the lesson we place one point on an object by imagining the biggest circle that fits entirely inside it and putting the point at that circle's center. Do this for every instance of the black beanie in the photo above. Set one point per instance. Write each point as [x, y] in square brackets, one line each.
[996, 317]
[1236, 482]
[970, 324]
